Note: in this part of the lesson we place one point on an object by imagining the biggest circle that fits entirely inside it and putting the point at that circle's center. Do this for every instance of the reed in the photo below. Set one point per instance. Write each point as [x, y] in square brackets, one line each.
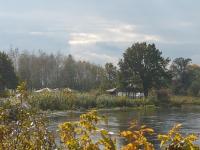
[61, 100]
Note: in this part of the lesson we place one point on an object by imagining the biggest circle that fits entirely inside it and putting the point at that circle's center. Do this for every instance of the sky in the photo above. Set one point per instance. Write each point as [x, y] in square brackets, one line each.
[100, 31]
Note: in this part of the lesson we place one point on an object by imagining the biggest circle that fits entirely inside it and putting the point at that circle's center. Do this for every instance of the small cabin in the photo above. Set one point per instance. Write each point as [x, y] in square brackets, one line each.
[122, 92]
[113, 91]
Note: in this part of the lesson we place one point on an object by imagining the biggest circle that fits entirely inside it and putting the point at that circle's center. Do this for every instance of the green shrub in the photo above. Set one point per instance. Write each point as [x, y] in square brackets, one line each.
[180, 100]
[85, 100]
[5, 94]
[163, 96]
[117, 101]
[194, 89]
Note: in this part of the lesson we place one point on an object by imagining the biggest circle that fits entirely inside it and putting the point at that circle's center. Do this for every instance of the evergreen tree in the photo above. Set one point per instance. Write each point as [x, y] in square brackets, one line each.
[8, 78]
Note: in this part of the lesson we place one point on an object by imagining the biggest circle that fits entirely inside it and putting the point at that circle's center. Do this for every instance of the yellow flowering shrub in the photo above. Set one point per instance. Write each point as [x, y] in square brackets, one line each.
[80, 135]
[136, 137]
[174, 140]
[22, 128]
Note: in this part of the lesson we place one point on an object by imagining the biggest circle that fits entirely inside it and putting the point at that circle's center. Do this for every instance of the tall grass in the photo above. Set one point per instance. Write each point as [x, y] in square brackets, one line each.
[180, 100]
[67, 101]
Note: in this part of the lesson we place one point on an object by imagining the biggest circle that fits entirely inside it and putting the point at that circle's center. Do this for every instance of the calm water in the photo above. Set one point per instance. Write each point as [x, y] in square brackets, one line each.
[161, 120]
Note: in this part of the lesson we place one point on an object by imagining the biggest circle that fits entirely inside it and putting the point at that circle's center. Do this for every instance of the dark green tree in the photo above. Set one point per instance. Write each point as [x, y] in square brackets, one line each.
[8, 77]
[143, 65]
[181, 75]
[69, 72]
[110, 77]
[193, 79]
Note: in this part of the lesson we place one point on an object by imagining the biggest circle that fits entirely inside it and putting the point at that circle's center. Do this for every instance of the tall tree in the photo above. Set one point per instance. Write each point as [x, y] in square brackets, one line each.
[8, 78]
[111, 74]
[143, 65]
[25, 68]
[180, 71]
[194, 80]
[69, 72]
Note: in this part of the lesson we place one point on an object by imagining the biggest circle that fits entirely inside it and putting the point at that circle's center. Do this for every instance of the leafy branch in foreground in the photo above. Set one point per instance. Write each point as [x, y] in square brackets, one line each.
[84, 135]
[136, 137]
[174, 140]
[22, 127]
[79, 135]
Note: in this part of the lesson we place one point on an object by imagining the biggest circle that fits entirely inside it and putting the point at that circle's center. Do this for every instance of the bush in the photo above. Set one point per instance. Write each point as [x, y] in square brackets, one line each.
[52, 100]
[79, 135]
[194, 89]
[179, 100]
[22, 128]
[85, 100]
[163, 96]
[5, 94]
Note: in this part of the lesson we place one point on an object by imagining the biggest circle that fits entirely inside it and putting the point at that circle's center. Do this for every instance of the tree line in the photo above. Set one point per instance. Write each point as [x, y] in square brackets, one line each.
[56, 71]
[142, 68]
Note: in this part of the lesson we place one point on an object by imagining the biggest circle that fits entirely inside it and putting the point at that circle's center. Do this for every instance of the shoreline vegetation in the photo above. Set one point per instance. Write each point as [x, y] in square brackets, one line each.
[24, 127]
[78, 101]
[61, 100]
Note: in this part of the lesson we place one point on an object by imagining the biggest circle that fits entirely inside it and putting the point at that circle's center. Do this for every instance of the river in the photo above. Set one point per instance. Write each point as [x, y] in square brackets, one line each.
[161, 120]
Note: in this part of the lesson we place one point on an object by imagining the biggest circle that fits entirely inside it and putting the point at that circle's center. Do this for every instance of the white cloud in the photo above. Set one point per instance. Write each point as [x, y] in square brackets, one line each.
[83, 38]
[84, 45]
[121, 33]
[95, 57]
[37, 33]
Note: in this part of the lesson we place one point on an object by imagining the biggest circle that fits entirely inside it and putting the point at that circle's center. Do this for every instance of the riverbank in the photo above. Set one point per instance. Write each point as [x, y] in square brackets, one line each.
[62, 100]
[77, 101]
[184, 100]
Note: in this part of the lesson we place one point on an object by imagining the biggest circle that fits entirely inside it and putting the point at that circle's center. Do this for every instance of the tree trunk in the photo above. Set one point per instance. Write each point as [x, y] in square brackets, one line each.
[1, 89]
[146, 92]
[145, 89]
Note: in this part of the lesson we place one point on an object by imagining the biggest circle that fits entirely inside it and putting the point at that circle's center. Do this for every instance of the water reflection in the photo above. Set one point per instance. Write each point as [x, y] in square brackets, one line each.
[161, 120]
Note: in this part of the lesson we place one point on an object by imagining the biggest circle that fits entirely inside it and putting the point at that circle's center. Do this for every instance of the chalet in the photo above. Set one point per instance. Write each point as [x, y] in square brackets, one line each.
[125, 92]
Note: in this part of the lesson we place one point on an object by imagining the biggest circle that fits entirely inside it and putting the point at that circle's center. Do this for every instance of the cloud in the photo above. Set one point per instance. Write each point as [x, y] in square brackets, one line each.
[97, 46]
[121, 33]
[37, 33]
[83, 38]
[96, 57]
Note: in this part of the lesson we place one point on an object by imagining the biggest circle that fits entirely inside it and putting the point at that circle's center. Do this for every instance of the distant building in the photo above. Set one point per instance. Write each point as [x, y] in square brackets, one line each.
[43, 90]
[53, 90]
[113, 91]
[125, 92]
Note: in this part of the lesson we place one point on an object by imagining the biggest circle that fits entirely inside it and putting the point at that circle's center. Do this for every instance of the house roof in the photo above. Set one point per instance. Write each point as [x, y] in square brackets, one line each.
[43, 90]
[111, 90]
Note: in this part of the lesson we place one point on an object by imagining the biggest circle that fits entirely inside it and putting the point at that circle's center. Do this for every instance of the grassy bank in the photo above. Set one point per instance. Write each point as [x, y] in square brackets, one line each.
[61, 100]
[165, 97]
[71, 101]
[184, 100]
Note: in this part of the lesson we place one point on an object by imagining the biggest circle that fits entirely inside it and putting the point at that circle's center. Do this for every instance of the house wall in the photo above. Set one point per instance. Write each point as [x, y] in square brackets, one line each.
[131, 94]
